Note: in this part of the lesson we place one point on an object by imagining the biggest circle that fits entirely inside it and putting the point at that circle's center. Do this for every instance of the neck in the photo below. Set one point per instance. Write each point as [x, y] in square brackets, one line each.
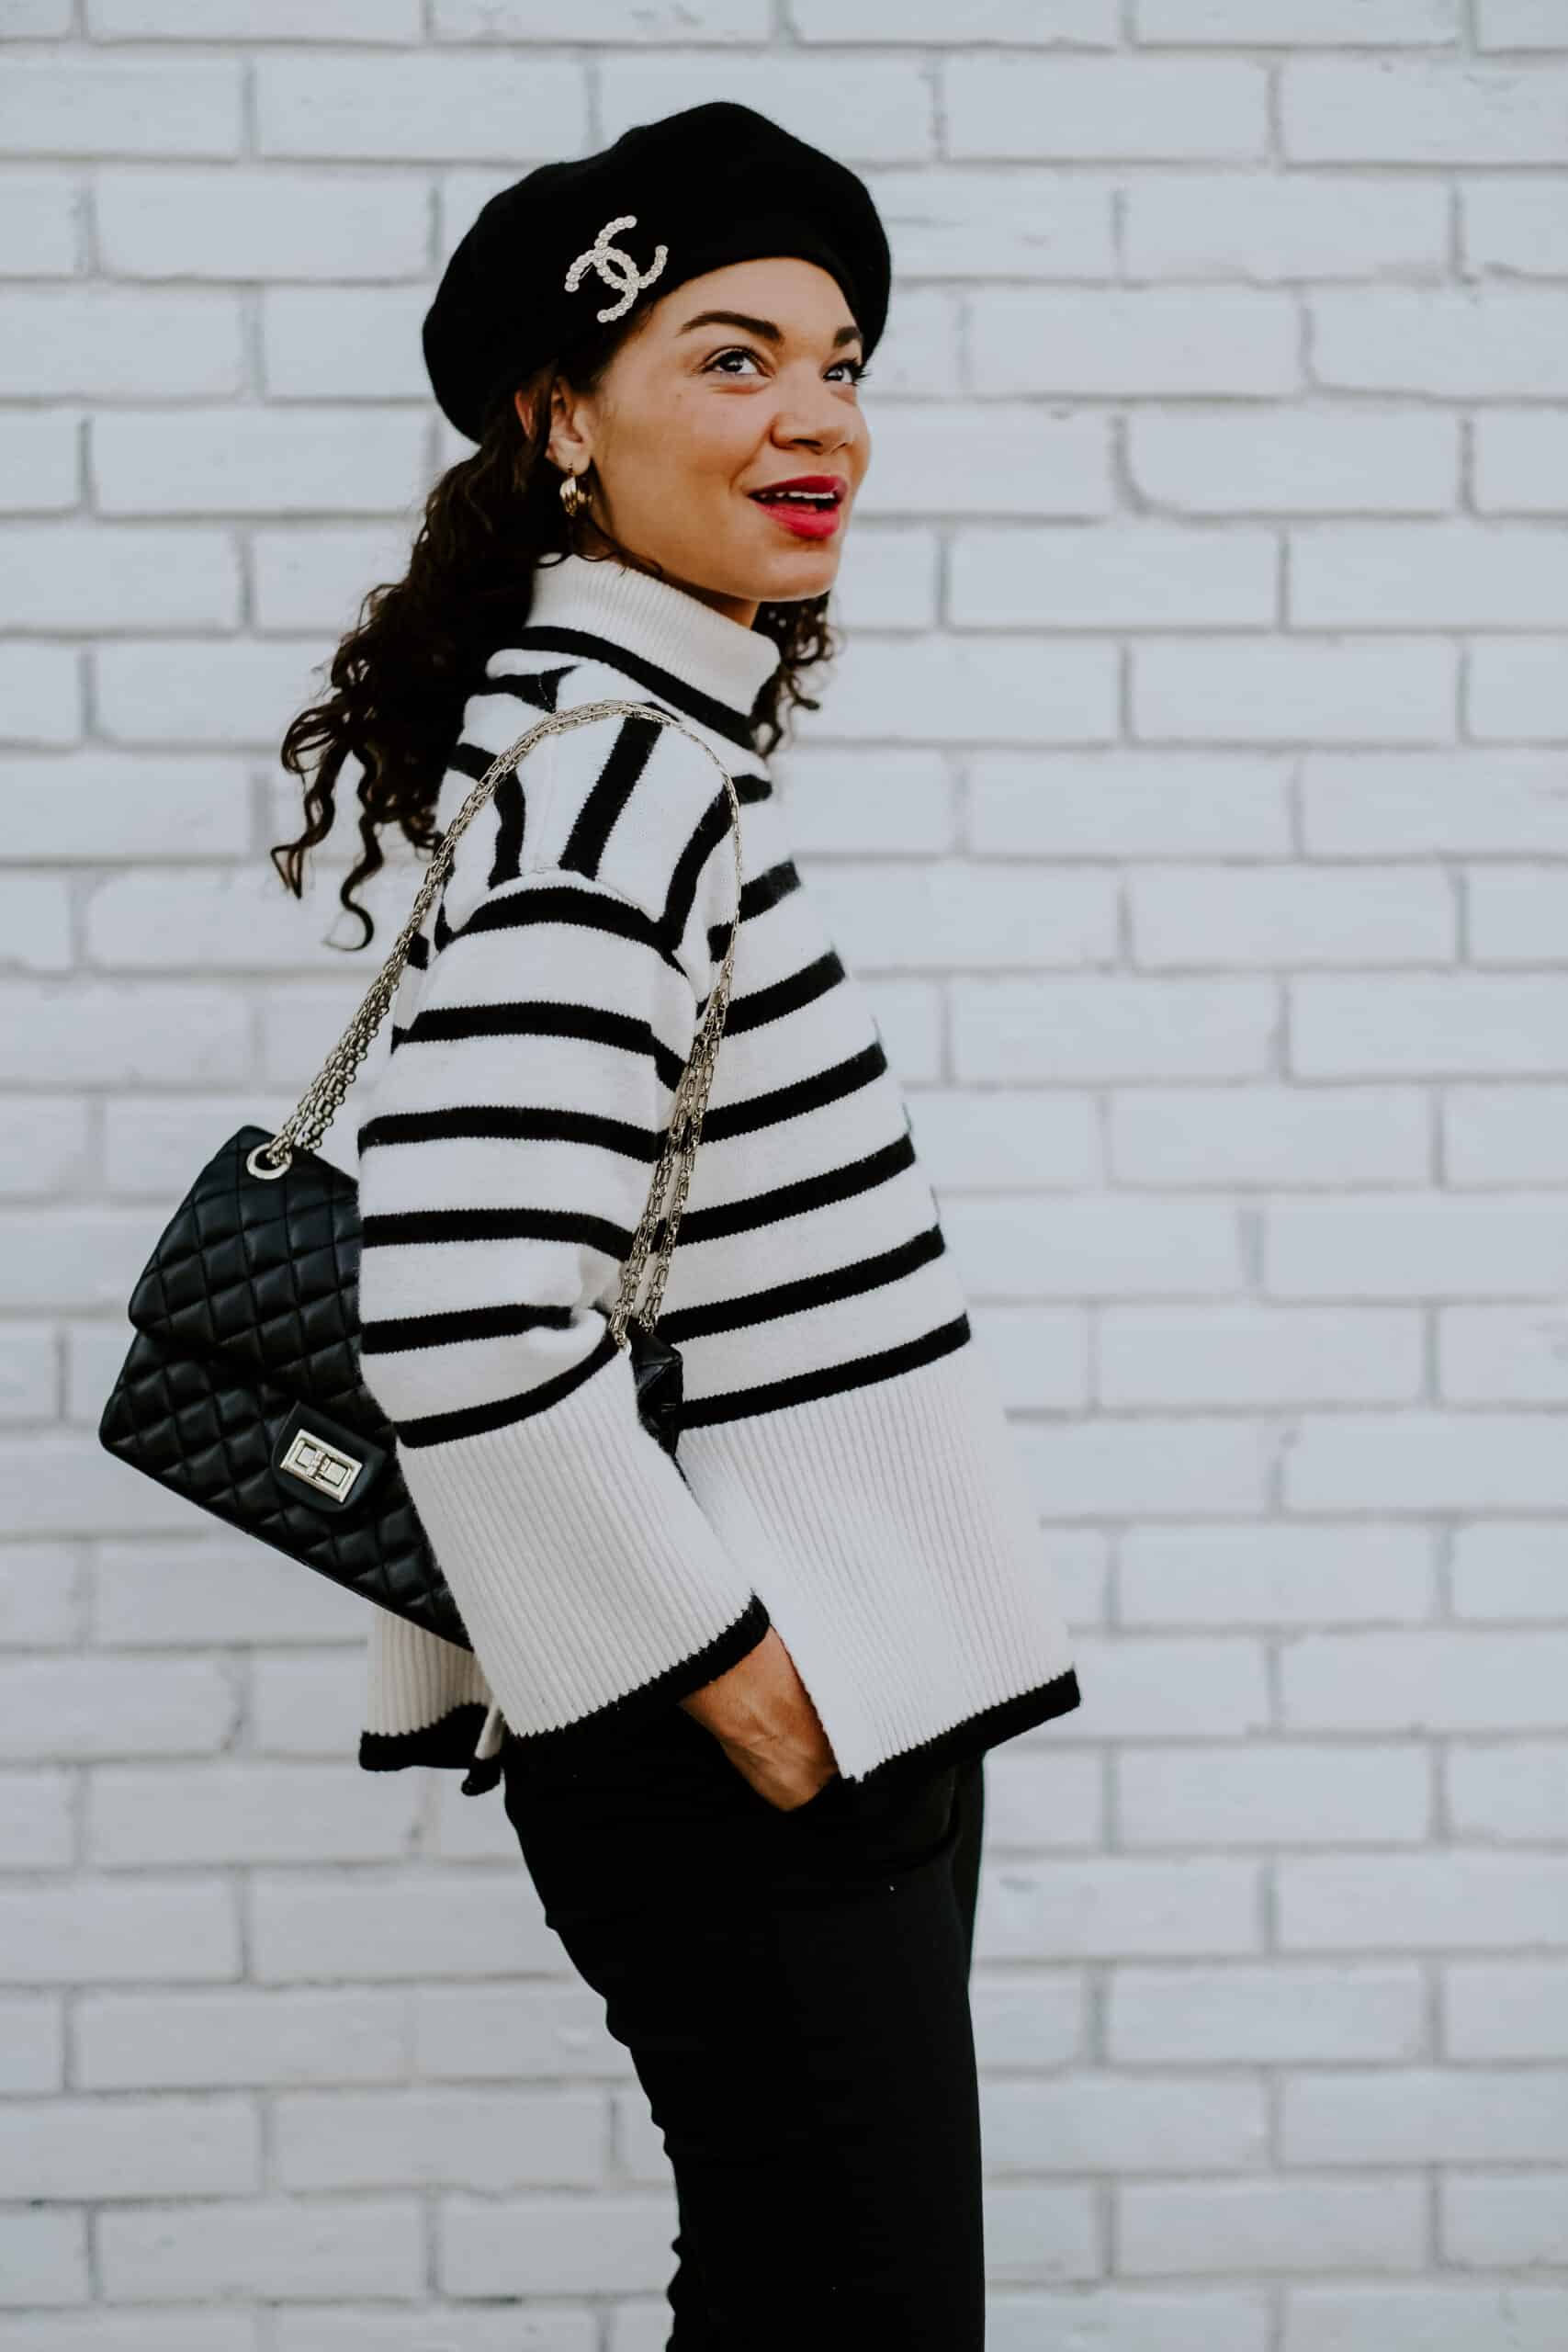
[666, 624]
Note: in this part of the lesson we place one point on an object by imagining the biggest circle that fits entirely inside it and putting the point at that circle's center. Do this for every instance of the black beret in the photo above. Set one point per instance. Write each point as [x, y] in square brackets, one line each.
[549, 257]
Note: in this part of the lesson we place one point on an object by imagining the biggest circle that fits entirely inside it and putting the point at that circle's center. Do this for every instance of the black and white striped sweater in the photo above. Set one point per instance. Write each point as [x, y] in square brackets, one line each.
[845, 1469]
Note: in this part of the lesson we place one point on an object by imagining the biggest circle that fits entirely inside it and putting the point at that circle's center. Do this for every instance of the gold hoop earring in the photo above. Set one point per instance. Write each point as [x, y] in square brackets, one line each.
[573, 496]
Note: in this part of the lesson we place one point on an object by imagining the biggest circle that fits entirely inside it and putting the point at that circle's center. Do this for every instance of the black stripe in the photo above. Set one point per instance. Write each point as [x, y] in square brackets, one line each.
[724, 719]
[616, 781]
[570, 902]
[470, 760]
[539, 687]
[709, 832]
[542, 1017]
[834, 1380]
[502, 1122]
[760, 1209]
[402, 1229]
[792, 1102]
[760, 1005]
[471, 1420]
[395, 1332]
[509, 802]
[812, 1290]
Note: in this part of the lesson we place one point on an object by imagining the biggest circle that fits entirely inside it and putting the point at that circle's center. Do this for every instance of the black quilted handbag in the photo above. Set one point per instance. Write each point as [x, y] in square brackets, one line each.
[241, 1388]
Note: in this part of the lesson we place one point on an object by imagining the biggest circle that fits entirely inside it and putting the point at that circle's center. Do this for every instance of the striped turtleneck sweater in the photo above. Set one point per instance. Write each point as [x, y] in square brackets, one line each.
[845, 1471]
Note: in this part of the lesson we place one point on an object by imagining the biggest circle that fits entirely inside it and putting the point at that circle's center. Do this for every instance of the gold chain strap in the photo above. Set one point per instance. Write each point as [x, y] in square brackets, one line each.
[317, 1107]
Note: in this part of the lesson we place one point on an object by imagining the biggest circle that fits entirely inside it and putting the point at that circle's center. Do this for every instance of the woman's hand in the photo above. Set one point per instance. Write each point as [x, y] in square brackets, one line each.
[760, 1714]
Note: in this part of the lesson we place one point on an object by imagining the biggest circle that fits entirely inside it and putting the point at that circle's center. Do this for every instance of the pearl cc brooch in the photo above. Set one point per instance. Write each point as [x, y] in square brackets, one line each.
[615, 267]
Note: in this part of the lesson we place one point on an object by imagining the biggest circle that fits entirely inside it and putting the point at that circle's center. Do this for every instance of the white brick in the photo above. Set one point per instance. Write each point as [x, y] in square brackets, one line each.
[1521, 466]
[382, 1925]
[1274, 1574]
[206, 461]
[610, 2243]
[1181, 343]
[1154, 1688]
[877, 109]
[342, 341]
[215, 1589]
[184, 690]
[1422, 1902]
[1505, 1134]
[1424, 1681]
[958, 689]
[39, 467]
[36, 1824]
[1428, 575]
[1283, 460]
[1517, 690]
[1188, 1467]
[65, 1032]
[86, 1931]
[1056, 466]
[1124, 575]
[40, 701]
[1273, 690]
[1090, 108]
[1123, 2319]
[1440, 2318]
[1297, 23]
[39, 232]
[103, 1706]
[1418, 1246]
[1241, 1355]
[1465, 1462]
[1273, 1795]
[1016, 22]
[173, 223]
[1518, 915]
[1037, 2019]
[1463, 1023]
[1061, 1910]
[1034, 2231]
[1042, 1803]
[1263, 2016]
[102, 805]
[977, 912]
[32, 2047]
[1506, 2010]
[1433, 806]
[1260, 229]
[1192, 2227]
[243, 1812]
[1503, 1355]
[1419, 2116]
[152, 2329]
[181, 2253]
[49, 1156]
[1520, 24]
[200, 2040]
[1510, 1571]
[1493, 2220]
[1270, 1136]
[1131, 2123]
[982, 1139]
[1004, 1242]
[84, 576]
[92, 2148]
[43, 2260]
[1272, 916]
[1416, 112]
[464, 2139]
[212, 20]
[1454, 342]
[1040, 1355]
[312, 577]
[420, 108]
[1516, 1792]
[1127, 804]
[484, 2031]
[1088, 1029]
[1014, 222]
[368, 2326]
[120, 106]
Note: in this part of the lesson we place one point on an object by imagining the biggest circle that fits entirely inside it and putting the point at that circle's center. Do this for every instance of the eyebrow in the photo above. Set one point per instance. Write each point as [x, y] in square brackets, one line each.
[764, 327]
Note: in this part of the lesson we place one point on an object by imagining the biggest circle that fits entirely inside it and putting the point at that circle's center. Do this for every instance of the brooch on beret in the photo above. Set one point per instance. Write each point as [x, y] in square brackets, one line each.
[615, 267]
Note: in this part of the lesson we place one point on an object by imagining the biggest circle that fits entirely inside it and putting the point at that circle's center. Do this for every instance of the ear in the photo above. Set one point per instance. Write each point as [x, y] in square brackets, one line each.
[568, 447]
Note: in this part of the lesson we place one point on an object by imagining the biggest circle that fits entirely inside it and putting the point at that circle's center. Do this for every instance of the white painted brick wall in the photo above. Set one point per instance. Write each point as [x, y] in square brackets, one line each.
[1191, 796]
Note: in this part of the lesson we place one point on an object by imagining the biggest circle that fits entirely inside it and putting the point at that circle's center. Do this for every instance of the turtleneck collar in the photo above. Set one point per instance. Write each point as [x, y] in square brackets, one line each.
[663, 624]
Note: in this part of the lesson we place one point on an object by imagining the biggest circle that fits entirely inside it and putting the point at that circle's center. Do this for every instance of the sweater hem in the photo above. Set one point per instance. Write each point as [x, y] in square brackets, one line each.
[987, 1728]
[449, 1741]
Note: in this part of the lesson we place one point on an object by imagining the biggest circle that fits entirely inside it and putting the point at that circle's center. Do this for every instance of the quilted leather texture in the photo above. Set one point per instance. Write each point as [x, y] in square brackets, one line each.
[247, 1308]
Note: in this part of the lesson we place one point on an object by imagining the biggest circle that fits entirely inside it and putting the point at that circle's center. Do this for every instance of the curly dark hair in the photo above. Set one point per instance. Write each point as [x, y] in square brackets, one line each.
[401, 676]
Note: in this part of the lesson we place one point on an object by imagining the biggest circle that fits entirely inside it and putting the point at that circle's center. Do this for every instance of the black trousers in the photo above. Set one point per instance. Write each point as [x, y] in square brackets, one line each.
[793, 1989]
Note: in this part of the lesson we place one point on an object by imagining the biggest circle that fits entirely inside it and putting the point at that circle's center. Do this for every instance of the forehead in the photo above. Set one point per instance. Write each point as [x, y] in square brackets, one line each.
[782, 298]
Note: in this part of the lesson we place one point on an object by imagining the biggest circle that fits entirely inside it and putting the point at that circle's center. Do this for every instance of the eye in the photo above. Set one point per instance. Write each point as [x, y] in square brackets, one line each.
[742, 351]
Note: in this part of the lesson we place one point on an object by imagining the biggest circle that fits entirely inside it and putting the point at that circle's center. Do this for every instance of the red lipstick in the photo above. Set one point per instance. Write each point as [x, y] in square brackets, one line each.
[814, 513]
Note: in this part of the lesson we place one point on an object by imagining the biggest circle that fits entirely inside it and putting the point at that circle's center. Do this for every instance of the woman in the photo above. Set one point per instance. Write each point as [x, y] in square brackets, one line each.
[739, 1698]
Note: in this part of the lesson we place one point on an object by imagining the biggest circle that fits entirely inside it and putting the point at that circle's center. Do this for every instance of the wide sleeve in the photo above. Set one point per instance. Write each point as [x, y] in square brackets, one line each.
[502, 1169]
